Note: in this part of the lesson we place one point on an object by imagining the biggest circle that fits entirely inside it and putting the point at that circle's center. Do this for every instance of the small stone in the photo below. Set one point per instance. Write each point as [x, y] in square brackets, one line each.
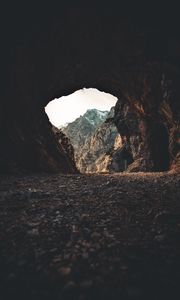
[66, 256]
[74, 258]
[53, 250]
[33, 224]
[97, 246]
[33, 232]
[85, 255]
[108, 235]
[160, 237]
[95, 235]
[84, 217]
[74, 229]
[124, 268]
[57, 259]
[64, 271]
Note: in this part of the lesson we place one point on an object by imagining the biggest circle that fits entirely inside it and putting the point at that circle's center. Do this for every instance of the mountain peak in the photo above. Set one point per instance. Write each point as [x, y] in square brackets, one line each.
[95, 116]
[95, 111]
[84, 126]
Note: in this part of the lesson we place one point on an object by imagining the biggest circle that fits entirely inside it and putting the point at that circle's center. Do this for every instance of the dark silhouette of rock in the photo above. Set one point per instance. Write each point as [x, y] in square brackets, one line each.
[66, 145]
[148, 124]
[130, 51]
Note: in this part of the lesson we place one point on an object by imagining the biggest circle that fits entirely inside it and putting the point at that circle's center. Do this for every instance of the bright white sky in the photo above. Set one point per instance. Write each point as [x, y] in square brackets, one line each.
[67, 108]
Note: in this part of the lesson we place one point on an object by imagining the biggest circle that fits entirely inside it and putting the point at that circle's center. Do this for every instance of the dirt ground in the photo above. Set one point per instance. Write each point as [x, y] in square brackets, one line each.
[90, 237]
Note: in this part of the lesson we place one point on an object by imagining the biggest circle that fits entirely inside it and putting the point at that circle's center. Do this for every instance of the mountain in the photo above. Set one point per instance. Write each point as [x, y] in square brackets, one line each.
[78, 130]
[103, 150]
[97, 143]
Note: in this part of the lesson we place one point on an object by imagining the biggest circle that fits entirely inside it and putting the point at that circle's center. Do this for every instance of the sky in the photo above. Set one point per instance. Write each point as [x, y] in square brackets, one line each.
[67, 108]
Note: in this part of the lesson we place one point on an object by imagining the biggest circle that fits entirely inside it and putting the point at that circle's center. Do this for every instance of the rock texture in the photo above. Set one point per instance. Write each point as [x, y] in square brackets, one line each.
[74, 237]
[83, 127]
[97, 143]
[95, 155]
[130, 51]
[149, 124]
[66, 145]
[102, 150]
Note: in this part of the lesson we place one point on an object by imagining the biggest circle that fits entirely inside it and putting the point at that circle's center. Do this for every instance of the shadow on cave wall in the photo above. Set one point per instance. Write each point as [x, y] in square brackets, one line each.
[78, 48]
[160, 147]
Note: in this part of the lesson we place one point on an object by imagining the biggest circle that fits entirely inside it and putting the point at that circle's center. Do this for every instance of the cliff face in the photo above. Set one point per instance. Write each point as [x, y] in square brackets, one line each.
[97, 144]
[83, 127]
[91, 138]
[95, 155]
[147, 117]
[103, 152]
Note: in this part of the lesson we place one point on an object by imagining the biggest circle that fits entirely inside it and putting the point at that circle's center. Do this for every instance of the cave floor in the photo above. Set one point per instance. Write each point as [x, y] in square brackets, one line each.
[90, 236]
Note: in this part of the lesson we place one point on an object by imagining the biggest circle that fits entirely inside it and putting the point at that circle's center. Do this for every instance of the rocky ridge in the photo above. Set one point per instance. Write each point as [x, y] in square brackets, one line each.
[103, 151]
[97, 143]
[80, 129]
[149, 124]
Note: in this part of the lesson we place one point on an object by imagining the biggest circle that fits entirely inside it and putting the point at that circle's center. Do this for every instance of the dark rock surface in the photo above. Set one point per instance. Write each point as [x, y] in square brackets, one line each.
[90, 237]
[66, 145]
[131, 51]
[147, 118]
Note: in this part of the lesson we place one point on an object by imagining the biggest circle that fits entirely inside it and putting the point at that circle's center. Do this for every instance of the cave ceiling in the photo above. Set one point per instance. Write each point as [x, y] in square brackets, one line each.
[49, 51]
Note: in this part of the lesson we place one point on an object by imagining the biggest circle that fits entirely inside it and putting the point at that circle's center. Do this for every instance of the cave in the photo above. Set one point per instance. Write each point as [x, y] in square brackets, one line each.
[40, 68]
[69, 235]
[86, 118]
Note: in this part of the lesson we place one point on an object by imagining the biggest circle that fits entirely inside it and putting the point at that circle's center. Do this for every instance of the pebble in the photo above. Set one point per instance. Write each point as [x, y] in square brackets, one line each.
[95, 235]
[64, 271]
[85, 255]
[33, 232]
[71, 248]
[160, 237]
[84, 217]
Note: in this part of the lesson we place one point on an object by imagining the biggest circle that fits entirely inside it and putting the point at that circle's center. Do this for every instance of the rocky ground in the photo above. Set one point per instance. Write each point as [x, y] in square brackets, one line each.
[90, 237]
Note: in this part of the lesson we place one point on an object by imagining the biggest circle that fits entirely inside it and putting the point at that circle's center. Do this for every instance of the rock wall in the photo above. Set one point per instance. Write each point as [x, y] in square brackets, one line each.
[118, 49]
[147, 117]
[96, 154]
[66, 146]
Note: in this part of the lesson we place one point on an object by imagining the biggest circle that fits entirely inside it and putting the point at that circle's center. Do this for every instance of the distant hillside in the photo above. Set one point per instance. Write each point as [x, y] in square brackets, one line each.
[97, 143]
[84, 126]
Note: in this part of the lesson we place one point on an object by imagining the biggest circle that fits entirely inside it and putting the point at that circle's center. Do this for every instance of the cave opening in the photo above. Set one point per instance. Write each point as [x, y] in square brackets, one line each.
[86, 119]
[71, 235]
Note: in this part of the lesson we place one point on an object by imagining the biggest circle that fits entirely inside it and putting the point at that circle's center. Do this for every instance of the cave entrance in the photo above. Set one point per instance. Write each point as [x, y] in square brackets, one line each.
[86, 117]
